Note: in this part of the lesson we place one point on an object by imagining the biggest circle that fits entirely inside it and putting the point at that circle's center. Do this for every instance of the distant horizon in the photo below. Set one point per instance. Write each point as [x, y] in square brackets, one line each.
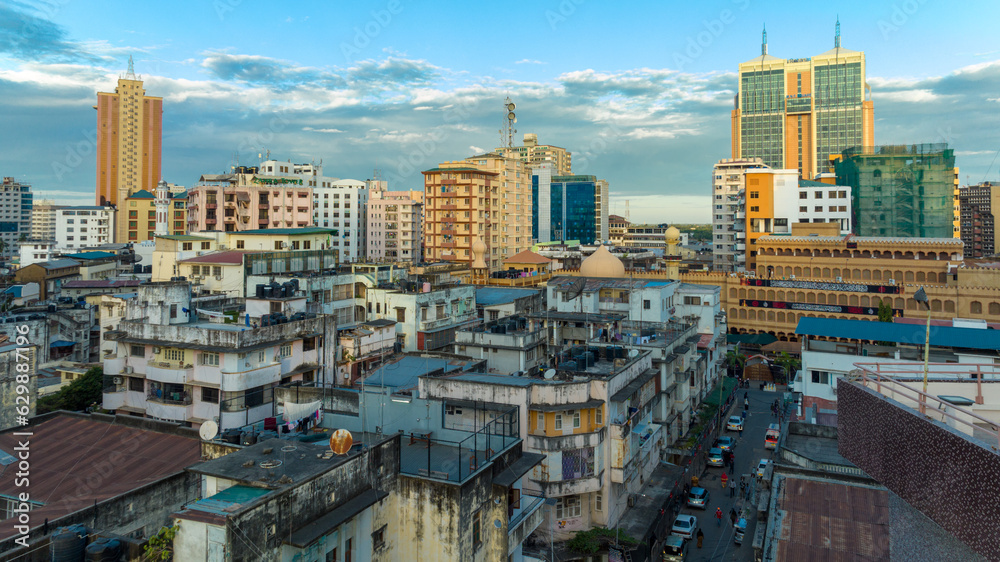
[364, 87]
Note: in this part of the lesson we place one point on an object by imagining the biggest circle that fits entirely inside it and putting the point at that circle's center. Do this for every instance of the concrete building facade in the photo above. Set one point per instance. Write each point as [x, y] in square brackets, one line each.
[978, 207]
[729, 212]
[15, 215]
[247, 201]
[43, 220]
[84, 227]
[343, 206]
[395, 221]
[533, 155]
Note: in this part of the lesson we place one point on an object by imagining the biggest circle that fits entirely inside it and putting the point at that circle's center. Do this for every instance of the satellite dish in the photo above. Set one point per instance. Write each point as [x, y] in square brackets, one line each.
[550, 374]
[341, 441]
[633, 353]
[208, 430]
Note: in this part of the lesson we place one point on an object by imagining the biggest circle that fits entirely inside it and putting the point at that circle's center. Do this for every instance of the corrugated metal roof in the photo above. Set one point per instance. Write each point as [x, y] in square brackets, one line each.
[488, 296]
[227, 257]
[941, 336]
[288, 231]
[90, 255]
[67, 450]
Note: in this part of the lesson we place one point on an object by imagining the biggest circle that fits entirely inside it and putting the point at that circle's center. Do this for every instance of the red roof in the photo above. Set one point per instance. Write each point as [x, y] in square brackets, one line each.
[76, 461]
[227, 257]
[527, 256]
[704, 340]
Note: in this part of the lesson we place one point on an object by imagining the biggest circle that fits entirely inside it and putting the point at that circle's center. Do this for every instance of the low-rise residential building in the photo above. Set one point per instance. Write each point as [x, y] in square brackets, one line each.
[84, 227]
[173, 248]
[86, 288]
[427, 314]
[509, 345]
[96, 265]
[363, 347]
[246, 200]
[493, 303]
[35, 251]
[20, 295]
[215, 272]
[49, 275]
[178, 360]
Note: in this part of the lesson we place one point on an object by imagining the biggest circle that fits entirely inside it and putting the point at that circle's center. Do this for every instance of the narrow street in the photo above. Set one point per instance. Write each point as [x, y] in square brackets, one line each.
[749, 450]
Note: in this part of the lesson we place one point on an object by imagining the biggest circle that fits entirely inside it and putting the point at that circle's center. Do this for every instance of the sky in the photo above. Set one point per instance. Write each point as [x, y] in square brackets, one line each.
[639, 92]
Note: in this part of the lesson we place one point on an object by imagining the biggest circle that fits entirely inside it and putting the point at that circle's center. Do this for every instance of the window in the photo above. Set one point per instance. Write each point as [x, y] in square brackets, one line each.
[277, 245]
[598, 502]
[173, 311]
[755, 209]
[599, 415]
[558, 424]
[348, 551]
[645, 305]
[576, 419]
[136, 350]
[186, 246]
[217, 270]
[240, 244]
[477, 530]
[540, 424]
[378, 538]
[803, 209]
[286, 350]
[195, 270]
[820, 377]
[513, 501]
[819, 195]
[400, 315]
[211, 359]
[832, 195]
[309, 344]
[803, 195]
[578, 463]
[174, 355]
[819, 208]
[136, 384]
[754, 195]
[205, 245]
[210, 395]
[568, 506]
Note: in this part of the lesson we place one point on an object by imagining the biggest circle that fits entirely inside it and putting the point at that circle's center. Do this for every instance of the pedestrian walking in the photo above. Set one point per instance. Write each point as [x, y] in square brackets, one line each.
[732, 491]
[701, 537]
[718, 517]
[732, 462]
[746, 403]
[741, 431]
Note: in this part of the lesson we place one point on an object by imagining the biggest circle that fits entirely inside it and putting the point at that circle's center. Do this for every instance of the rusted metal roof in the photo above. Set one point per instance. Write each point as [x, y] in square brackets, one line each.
[76, 462]
[833, 522]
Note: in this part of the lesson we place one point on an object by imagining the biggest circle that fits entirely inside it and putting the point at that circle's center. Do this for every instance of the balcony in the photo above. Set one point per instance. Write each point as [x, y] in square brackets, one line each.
[450, 207]
[524, 523]
[169, 372]
[263, 221]
[210, 221]
[263, 206]
[447, 244]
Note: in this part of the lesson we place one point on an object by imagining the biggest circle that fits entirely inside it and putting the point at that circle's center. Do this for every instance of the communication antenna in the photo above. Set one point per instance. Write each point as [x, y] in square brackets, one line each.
[341, 441]
[208, 430]
[508, 130]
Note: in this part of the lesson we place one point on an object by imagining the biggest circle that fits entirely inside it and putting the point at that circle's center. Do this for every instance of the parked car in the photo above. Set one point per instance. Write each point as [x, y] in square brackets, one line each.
[735, 423]
[698, 497]
[675, 549]
[725, 443]
[761, 467]
[715, 457]
[685, 526]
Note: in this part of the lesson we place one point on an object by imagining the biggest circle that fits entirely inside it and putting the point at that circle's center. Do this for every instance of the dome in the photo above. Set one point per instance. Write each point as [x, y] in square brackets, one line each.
[478, 253]
[602, 264]
[673, 235]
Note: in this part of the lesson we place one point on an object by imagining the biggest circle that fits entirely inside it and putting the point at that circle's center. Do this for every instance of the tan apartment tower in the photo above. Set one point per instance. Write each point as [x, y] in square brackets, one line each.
[796, 113]
[129, 133]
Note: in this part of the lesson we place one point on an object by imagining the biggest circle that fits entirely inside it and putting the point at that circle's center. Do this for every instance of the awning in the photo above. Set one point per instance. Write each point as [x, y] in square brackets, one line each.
[559, 407]
[62, 343]
[712, 399]
[752, 339]
[311, 532]
[704, 341]
[639, 428]
[517, 469]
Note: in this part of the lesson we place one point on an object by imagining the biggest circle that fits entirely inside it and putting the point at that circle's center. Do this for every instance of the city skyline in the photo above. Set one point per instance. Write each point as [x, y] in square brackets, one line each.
[644, 104]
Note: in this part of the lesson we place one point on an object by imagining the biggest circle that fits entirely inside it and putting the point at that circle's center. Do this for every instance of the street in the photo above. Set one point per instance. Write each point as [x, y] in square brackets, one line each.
[718, 544]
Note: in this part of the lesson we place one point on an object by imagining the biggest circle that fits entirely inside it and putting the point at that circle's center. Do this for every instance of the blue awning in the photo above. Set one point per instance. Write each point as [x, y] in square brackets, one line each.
[62, 343]
[639, 428]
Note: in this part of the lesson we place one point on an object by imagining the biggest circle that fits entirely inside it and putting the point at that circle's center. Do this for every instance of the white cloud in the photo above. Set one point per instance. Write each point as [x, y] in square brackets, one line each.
[322, 130]
[529, 61]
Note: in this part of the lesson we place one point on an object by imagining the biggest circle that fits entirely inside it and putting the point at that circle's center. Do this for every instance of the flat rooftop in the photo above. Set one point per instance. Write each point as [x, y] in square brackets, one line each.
[404, 372]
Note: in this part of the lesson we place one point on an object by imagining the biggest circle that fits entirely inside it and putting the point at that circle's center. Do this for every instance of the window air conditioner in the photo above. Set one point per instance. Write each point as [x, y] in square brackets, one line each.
[156, 350]
[127, 370]
[118, 380]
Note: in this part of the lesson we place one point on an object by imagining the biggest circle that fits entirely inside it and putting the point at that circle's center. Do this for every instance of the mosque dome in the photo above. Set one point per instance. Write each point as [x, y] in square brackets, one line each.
[602, 263]
[479, 254]
[673, 235]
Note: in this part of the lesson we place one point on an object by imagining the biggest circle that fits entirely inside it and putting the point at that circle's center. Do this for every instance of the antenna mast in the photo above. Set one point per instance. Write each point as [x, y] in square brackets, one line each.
[508, 130]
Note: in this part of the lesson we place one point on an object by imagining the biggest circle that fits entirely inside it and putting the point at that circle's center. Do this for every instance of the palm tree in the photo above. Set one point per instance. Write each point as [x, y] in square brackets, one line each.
[735, 360]
[789, 364]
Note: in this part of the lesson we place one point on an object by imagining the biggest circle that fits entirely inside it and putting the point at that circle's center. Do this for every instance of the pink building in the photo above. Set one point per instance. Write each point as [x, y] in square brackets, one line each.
[395, 226]
[245, 201]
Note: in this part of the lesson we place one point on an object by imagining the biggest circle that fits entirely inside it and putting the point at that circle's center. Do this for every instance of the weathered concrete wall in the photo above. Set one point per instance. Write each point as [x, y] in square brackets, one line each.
[937, 470]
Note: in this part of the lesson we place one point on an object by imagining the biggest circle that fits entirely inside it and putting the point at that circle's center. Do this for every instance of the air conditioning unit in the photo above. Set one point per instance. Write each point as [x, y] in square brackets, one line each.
[127, 370]
[218, 278]
[222, 246]
[118, 380]
[200, 253]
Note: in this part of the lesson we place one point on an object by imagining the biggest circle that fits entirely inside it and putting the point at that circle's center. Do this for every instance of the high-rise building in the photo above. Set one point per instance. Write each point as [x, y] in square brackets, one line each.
[908, 191]
[533, 154]
[568, 207]
[729, 212]
[15, 215]
[979, 205]
[129, 130]
[43, 220]
[796, 113]
[395, 225]
[84, 227]
[486, 197]
[342, 205]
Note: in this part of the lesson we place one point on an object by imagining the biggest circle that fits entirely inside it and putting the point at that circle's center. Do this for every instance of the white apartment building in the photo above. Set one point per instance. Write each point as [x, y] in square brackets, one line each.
[342, 205]
[36, 251]
[15, 214]
[84, 227]
[729, 211]
[395, 226]
[43, 219]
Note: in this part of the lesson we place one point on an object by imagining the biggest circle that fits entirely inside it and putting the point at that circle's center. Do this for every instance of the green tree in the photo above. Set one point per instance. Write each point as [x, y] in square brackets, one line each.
[597, 539]
[789, 364]
[77, 395]
[884, 311]
[735, 361]
[161, 545]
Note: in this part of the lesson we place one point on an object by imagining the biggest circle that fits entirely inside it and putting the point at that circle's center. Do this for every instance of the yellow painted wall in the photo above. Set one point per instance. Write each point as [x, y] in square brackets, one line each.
[588, 422]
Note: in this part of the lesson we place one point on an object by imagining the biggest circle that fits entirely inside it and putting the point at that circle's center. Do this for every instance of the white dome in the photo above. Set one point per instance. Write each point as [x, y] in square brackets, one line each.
[673, 235]
[602, 263]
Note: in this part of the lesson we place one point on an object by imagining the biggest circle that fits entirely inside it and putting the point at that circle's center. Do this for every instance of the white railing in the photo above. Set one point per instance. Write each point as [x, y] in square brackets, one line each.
[886, 379]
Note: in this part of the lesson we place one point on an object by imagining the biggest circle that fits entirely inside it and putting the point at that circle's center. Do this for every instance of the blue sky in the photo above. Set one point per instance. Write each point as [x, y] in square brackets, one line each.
[639, 92]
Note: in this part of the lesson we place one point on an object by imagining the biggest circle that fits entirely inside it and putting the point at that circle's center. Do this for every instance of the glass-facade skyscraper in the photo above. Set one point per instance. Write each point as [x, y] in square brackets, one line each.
[796, 113]
[568, 208]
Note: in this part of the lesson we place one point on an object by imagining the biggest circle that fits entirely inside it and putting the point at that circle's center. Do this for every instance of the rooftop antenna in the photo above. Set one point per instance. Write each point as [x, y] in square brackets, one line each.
[836, 38]
[763, 41]
[508, 130]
